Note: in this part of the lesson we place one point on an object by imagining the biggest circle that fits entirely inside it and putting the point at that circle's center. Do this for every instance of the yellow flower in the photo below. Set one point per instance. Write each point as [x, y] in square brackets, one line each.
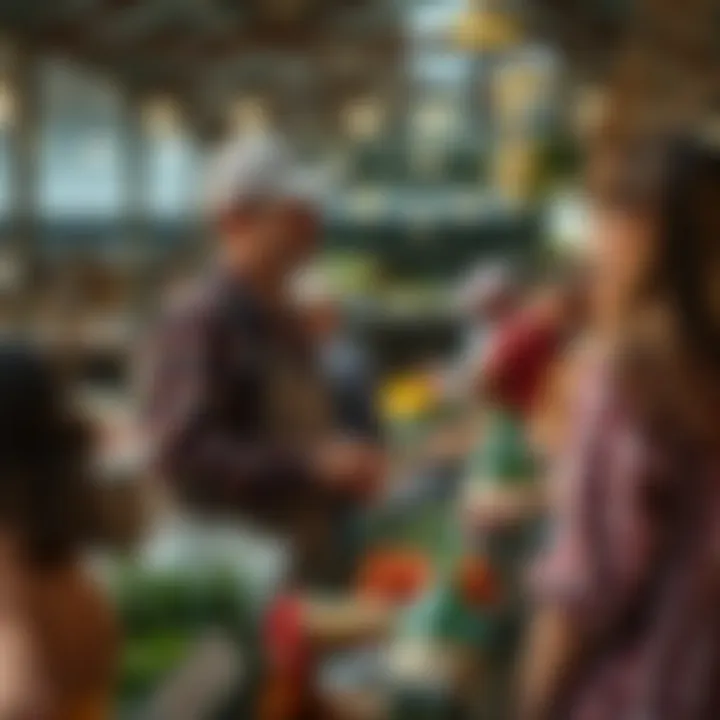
[407, 397]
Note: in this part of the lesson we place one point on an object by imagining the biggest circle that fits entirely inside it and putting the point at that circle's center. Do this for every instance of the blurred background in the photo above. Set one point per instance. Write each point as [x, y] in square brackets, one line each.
[447, 133]
[444, 129]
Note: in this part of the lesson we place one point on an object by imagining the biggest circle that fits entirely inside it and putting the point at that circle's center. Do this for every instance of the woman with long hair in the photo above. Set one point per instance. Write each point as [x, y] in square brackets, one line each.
[628, 591]
[57, 631]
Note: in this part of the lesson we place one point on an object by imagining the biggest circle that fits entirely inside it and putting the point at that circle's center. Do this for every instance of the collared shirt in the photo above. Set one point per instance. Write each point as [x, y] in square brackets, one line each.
[220, 431]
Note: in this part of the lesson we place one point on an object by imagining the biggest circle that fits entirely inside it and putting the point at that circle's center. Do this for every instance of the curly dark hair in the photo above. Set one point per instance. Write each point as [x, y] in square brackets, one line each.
[45, 490]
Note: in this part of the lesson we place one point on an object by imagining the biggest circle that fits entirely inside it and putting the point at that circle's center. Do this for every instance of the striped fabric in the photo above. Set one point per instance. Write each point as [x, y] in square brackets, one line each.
[634, 554]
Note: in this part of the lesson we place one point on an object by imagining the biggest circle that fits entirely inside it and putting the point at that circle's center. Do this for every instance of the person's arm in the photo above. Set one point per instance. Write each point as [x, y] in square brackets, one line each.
[190, 445]
[213, 464]
[20, 691]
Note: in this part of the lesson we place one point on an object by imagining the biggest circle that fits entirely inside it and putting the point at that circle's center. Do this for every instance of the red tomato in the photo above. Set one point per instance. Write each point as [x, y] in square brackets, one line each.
[395, 575]
[478, 582]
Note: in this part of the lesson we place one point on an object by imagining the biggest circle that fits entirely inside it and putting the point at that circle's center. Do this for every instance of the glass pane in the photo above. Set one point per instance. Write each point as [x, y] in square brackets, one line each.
[173, 164]
[81, 171]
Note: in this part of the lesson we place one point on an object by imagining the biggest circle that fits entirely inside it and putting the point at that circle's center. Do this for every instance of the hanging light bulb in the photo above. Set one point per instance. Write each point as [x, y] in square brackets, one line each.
[363, 119]
[249, 114]
[517, 89]
[590, 109]
[161, 117]
[435, 119]
[482, 28]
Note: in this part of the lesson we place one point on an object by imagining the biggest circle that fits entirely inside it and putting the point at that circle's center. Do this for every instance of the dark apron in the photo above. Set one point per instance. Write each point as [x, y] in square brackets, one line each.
[301, 416]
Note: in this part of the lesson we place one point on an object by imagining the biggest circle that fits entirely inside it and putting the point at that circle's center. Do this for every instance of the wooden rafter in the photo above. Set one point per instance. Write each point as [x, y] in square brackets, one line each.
[176, 41]
[201, 51]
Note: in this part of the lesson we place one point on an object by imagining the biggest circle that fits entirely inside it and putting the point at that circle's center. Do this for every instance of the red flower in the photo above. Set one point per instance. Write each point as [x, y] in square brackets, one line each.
[284, 640]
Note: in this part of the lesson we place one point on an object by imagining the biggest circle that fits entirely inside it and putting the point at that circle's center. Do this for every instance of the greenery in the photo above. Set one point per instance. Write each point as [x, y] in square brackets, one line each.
[164, 612]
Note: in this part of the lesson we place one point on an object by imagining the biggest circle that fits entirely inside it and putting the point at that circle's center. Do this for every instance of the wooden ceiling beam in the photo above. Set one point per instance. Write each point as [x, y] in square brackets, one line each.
[173, 53]
[179, 62]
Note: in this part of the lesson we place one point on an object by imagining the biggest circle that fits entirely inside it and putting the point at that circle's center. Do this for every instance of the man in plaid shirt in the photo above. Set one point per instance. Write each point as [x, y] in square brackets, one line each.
[236, 413]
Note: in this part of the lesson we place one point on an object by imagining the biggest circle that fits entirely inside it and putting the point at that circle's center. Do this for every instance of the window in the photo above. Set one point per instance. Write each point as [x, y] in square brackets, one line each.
[172, 168]
[81, 149]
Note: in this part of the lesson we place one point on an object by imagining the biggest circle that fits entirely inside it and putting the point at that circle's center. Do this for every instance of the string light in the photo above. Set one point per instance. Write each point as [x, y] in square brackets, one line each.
[249, 114]
[483, 29]
[517, 89]
[161, 117]
[363, 119]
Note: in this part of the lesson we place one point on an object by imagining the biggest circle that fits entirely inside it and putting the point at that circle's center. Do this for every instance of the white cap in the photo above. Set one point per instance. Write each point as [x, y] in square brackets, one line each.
[257, 167]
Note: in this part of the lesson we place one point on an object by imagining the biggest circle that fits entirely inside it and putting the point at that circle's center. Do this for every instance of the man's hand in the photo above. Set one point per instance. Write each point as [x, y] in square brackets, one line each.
[351, 467]
[497, 508]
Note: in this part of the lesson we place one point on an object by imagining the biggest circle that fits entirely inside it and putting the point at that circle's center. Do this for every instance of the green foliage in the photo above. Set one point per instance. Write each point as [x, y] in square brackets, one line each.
[165, 612]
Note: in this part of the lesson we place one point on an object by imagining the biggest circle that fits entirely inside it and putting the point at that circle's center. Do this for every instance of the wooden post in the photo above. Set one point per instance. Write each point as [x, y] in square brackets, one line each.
[135, 219]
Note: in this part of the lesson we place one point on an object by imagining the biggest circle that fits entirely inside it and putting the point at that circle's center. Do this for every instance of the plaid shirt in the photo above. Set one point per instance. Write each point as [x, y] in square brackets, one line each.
[635, 556]
[207, 384]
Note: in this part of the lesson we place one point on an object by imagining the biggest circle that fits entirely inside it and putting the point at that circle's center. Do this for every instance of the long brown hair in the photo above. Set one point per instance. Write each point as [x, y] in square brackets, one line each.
[669, 341]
